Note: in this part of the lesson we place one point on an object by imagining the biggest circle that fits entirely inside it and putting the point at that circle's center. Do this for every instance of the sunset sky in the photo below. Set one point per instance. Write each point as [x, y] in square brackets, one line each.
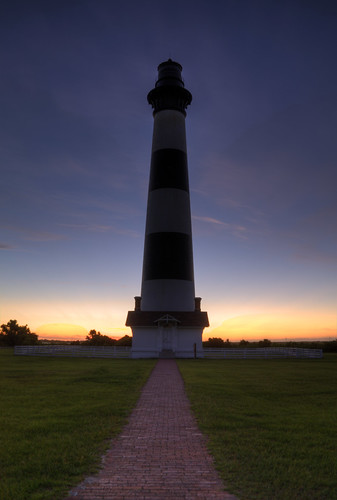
[76, 131]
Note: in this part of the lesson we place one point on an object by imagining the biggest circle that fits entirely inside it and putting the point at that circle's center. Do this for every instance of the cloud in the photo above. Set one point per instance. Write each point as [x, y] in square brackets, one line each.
[209, 219]
[98, 228]
[236, 230]
[312, 255]
[44, 236]
[32, 235]
[5, 246]
[89, 227]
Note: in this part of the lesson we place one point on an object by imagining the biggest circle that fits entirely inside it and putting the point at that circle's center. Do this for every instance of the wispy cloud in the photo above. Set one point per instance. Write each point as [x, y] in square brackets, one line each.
[89, 227]
[235, 229]
[44, 236]
[313, 255]
[33, 235]
[5, 246]
[211, 220]
[99, 228]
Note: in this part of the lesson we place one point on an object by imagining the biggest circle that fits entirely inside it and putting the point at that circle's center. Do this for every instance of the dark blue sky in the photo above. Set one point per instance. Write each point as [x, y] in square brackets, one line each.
[75, 131]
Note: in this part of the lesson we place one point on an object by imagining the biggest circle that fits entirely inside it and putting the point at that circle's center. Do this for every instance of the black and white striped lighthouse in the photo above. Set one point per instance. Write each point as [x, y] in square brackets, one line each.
[167, 320]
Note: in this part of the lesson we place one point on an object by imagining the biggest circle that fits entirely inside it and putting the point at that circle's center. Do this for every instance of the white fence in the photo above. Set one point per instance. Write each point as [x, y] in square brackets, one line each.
[81, 351]
[262, 353]
[73, 351]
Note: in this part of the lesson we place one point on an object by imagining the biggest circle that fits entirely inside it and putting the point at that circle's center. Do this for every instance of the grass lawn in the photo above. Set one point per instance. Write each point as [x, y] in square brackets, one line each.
[271, 424]
[57, 416]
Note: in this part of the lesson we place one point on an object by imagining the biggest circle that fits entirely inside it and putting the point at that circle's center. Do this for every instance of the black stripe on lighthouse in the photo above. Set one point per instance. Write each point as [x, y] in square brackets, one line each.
[168, 169]
[168, 256]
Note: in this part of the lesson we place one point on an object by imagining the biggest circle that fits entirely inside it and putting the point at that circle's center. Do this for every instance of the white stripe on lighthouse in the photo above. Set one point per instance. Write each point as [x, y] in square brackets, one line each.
[168, 210]
[169, 295]
[169, 130]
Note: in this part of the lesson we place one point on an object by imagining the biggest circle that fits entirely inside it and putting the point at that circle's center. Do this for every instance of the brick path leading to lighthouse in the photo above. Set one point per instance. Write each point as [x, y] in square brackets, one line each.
[161, 453]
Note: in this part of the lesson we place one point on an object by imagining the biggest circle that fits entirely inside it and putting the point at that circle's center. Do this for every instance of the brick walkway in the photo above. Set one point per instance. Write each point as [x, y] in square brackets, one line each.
[161, 453]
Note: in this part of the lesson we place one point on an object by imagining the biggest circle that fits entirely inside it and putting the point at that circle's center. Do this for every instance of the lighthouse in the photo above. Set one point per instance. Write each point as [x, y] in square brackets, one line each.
[167, 320]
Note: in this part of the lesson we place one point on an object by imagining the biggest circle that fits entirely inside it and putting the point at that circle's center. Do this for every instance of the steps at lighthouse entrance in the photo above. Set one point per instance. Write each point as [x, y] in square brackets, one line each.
[167, 354]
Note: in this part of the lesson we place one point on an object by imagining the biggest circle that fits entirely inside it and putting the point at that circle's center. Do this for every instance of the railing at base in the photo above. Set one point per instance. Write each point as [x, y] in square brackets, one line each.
[262, 353]
[126, 352]
[73, 351]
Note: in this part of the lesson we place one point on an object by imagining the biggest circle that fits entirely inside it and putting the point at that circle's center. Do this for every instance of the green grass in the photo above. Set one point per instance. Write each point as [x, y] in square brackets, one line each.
[57, 416]
[271, 424]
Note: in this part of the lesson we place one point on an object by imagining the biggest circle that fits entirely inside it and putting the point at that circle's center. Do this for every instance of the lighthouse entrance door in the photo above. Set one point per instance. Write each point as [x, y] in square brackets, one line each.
[168, 330]
[167, 337]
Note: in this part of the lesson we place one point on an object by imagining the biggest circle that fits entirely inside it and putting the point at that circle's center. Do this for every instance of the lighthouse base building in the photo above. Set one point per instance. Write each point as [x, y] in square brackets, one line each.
[167, 334]
[167, 320]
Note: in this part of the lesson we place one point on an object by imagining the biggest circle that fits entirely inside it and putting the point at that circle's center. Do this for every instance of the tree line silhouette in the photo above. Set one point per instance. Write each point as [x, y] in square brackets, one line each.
[325, 345]
[12, 334]
[96, 338]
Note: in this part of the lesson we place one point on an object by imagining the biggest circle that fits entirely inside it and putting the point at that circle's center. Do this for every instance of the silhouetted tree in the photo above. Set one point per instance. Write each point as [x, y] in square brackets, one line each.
[214, 342]
[265, 343]
[13, 334]
[243, 343]
[330, 346]
[96, 338]
[125, 341]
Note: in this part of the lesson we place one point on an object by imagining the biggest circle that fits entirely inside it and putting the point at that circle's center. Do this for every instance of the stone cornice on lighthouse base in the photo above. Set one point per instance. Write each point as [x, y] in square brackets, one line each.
[184, 319]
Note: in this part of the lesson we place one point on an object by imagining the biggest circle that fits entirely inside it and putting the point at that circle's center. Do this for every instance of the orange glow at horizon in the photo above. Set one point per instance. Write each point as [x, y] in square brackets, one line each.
[73, 321]
[61, 331]
[277, 326]
[248, 327]
[65, 331]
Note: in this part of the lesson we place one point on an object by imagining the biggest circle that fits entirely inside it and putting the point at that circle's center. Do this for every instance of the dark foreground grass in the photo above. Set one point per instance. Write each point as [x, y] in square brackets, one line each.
[271, 424]
[57, 417]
